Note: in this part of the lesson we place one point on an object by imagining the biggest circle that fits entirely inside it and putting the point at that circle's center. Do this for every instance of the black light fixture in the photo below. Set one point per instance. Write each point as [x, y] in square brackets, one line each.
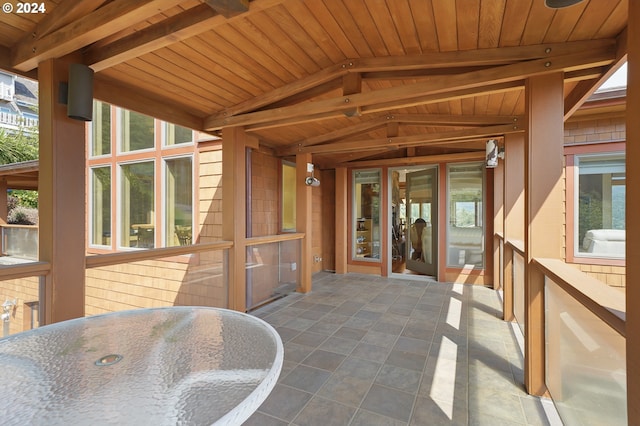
[559, 4]
[80, 92]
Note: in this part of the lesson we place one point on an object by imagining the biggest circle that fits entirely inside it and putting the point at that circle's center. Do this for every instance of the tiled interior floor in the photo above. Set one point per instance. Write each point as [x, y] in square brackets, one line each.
[366, 350]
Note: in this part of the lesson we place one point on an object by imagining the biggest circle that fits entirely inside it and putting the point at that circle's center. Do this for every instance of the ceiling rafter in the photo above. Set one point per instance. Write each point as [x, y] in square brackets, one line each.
[422, 139]
[374, 67]
[416, 119]
[180, 27]
[436, 85]
[410, 161]
[113, 93]
[65, 13]
[176, 28]
[112, 17]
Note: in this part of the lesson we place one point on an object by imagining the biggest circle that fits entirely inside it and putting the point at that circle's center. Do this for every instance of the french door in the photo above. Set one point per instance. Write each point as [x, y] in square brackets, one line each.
[422, 221]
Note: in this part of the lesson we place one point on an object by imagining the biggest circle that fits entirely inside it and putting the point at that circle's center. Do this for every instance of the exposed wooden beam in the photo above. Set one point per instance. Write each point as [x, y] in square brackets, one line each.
[586, 88]
[107, 91]
[64, 13]
[352, 84]
[6, 65]
[228, 8]
[477, 57]
[113, 17]
[179, 27]
[414, 140]
[411, 161]
[458, 60]
[435, 86]
[454, 120]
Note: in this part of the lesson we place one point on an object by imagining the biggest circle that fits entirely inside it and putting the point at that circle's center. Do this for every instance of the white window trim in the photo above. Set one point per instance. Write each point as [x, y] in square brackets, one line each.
[119, 201]
[576, 203]
[90, 206]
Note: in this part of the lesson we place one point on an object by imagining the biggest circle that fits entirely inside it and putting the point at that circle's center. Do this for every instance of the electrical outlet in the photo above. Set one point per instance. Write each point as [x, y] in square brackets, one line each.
[294, 266]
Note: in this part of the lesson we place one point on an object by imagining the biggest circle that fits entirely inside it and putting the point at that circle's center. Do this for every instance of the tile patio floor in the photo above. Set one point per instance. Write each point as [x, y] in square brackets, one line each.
[364, 350]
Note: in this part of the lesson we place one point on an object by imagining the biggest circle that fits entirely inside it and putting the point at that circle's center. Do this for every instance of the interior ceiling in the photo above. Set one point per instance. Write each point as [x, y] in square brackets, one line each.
[348, 81]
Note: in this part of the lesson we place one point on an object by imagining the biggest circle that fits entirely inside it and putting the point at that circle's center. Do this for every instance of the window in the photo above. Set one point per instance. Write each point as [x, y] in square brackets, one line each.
[178, 201]
[176, 135]
[100, 222]
[137, 131]
[137, 205]
[101, 129]
[366, 215]
[288, 197]
[600, 201]
[465, 232]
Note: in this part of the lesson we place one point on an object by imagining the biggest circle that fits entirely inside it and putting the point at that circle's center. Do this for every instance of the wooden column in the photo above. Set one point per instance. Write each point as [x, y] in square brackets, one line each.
[341, 227]
[543, 210]
[633, 225]
[513, 212]
[61, 198]
[234, 212]
[3, 201]
[304, 221]
[498, 220]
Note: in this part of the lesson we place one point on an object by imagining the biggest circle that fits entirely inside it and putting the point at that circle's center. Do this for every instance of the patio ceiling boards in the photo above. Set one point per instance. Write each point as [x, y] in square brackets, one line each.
[345, 81]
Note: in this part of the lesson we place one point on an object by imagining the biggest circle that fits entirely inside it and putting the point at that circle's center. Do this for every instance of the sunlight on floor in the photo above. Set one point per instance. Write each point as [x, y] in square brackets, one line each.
[444, 379]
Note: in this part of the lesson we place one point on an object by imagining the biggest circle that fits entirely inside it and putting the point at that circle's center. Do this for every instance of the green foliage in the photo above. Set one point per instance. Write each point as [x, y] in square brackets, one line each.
[26, 198]
[18, 147]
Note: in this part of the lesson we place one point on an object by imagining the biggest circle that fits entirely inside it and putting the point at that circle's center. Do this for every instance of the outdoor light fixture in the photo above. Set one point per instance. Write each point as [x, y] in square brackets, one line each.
[80, 92]
[559, 4]
[311, 180]
[493, 152]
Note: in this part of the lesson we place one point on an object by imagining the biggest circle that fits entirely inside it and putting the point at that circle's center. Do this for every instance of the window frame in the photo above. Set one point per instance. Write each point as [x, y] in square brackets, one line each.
[353, 234]
[90, 206]
[164, 195]
[573, 165]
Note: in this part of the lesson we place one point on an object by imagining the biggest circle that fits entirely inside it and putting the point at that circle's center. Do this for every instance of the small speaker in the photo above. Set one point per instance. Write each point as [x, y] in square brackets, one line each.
[80, 92]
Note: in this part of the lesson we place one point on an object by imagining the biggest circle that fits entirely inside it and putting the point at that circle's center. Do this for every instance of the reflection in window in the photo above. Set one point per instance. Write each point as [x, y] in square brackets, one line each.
[179, 202]
[137, 201]
[101, 129]
[601, 205]
[366, 229]
[465, 233]
[101, 206]
[178, 135]
[288, 197]
[137, 131]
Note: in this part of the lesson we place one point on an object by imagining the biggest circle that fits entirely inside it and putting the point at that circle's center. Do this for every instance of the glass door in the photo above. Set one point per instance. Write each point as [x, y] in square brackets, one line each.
[422, 221]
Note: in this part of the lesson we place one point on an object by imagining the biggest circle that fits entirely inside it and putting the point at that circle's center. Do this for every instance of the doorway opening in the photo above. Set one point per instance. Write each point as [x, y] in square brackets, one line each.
[414, 221]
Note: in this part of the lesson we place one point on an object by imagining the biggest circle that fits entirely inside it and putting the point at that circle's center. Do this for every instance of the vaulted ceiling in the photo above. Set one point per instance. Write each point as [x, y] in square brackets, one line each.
[344, 80]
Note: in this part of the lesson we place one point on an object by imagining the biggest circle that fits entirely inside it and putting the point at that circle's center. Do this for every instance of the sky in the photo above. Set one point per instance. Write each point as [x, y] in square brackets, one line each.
[618, 79]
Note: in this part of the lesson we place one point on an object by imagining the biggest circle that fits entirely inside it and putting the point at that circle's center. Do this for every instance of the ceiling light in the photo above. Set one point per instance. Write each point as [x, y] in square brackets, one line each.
[559, 4]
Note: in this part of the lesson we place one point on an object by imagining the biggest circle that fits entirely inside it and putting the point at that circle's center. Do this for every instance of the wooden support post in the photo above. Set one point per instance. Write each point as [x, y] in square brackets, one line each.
[513, 212]
[632, 206]
[341, 227]
[234, 212]
[543, 210]
[304, 221]
[498, 221]
[61, 200]
[3, 201]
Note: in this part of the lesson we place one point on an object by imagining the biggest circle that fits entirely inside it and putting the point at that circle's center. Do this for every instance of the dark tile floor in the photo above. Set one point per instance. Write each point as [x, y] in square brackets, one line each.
[365, 350]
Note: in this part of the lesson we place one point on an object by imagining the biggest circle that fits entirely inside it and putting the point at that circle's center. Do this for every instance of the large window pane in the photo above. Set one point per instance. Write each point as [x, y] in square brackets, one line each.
[137, 205]
[101, 206]
[101, 135]
[601, 205]
[366, 210]
[179, 202]
[177, 135]
[137, 131]
[288, 197]
[465, 233]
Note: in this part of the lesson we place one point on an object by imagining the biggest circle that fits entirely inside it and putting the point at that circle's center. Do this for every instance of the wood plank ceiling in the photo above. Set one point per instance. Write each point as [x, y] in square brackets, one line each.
[344, 80]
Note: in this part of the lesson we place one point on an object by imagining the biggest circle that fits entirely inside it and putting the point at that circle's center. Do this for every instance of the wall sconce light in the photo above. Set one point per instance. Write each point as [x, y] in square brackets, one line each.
[311, 180]
[493, 152]
[80, 92]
